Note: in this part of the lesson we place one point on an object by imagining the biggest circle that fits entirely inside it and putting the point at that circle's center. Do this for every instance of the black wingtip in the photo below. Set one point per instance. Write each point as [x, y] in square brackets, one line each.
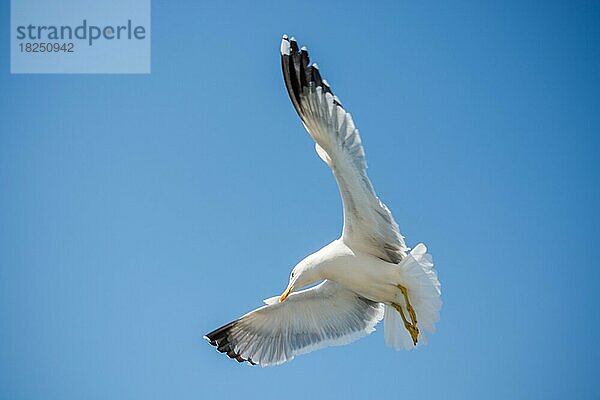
[299, 74]
[294, 45]
[220, 338]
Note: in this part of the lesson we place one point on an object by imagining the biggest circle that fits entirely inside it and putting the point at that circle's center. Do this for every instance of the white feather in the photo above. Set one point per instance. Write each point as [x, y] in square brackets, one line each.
[324, 315]
[362, 270]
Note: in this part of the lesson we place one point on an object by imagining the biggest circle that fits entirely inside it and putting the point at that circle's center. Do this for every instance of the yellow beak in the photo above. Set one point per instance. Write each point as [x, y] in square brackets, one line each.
[285, 294]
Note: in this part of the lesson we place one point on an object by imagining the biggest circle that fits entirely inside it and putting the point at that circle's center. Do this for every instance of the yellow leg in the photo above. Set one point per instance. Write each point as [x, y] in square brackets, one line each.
[411, 328]
[409, 307]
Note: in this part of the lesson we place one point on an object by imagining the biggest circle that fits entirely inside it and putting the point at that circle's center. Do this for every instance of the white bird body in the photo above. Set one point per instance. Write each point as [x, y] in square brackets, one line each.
[367, 274]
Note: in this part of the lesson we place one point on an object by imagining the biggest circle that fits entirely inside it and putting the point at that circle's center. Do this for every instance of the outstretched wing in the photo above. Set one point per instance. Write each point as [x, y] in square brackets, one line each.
[324, 315]
[368, 223]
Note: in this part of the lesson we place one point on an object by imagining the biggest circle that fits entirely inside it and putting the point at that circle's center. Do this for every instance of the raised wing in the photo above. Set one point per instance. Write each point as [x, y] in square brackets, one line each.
[368, 223]
[324, 315]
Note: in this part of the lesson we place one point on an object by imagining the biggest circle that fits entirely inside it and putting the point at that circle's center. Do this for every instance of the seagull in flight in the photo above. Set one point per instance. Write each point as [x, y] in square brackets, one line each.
[366, 275]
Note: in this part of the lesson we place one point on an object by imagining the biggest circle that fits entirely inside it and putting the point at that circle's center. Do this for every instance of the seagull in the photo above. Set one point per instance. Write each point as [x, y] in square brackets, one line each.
[366, 275]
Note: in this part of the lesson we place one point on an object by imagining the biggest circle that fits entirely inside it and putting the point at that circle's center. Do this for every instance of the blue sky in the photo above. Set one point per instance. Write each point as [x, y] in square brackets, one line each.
[138, 212]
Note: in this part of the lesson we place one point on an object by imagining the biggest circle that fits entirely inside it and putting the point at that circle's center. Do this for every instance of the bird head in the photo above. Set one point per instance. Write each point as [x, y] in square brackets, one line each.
[303, 274]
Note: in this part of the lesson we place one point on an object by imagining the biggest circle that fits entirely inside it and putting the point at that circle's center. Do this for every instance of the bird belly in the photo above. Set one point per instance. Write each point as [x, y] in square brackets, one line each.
[366, 275]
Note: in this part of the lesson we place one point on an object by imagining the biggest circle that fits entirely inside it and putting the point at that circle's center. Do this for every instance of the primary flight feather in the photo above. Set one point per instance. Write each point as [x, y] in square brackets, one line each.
[367, 274]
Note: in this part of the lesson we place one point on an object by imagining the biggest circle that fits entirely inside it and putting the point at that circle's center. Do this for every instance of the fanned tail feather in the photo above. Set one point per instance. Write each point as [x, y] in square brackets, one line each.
[424, 290]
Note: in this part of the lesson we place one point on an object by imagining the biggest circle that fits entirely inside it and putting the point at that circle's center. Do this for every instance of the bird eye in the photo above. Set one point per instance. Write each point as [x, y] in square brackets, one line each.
[292, 274]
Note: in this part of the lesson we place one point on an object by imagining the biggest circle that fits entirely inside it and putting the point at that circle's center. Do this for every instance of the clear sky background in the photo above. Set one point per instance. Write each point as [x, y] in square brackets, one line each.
[139, 212]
